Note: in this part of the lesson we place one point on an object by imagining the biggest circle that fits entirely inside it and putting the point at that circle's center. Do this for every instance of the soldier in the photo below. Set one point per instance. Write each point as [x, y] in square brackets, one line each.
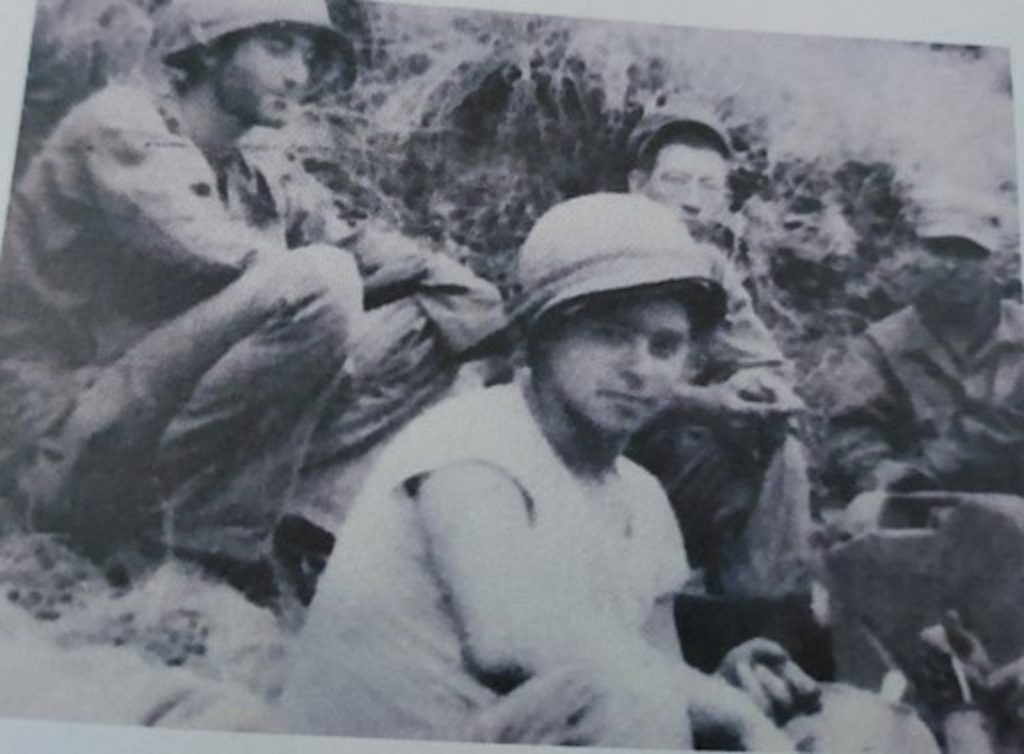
[173, 315]
[932, 396]
[507, 574]
[733, 467]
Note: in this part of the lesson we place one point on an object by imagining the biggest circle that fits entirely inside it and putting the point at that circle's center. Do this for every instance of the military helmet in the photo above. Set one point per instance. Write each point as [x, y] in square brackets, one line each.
[607, 243]
[203, 21]
[187, 24]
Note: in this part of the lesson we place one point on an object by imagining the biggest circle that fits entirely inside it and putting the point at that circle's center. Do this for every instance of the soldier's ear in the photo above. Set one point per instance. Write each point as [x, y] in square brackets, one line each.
[210, 59]
[638, 180]
[192, 66]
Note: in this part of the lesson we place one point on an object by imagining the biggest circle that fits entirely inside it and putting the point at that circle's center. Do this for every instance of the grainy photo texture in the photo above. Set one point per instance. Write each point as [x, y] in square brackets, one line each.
[379, 371]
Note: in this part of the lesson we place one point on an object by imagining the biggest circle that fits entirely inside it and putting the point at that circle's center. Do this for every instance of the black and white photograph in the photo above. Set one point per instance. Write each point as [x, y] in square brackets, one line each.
[416, 373]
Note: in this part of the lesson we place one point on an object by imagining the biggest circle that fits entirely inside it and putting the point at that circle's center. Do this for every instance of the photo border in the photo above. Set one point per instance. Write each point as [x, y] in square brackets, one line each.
[983, 22]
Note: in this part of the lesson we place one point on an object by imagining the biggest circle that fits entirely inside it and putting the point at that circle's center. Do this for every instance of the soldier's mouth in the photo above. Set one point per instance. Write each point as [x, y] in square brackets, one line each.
[627, 400]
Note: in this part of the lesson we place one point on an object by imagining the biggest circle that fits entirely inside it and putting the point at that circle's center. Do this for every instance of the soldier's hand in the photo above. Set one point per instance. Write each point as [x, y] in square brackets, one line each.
[721, 404]
[762, 387]
[711, 401]
[766, 672]
[861, 516]
[900, 476]
[557, 708]
[723, 717]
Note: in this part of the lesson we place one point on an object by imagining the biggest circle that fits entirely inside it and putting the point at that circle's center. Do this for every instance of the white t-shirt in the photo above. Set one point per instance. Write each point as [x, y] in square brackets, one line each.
[417, 608]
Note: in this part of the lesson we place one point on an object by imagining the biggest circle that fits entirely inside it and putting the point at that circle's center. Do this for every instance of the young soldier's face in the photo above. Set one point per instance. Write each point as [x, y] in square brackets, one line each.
[267, 73]
[690, 180]
[614, 367]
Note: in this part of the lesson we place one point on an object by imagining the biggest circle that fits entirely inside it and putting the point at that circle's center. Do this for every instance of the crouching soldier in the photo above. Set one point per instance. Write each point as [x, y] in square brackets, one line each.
[926, 432]
[727, 451]
[506, 573]
[932, 396]
[171, 314]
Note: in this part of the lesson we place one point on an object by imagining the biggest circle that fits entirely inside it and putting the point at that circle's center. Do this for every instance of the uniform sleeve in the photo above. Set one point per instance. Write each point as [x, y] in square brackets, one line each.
[862, 406]
[463, 307]
[743, 341]
[152, 189]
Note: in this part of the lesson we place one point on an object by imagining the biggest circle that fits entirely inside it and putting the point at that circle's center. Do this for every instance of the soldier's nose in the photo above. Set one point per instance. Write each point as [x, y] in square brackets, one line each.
[297, 74]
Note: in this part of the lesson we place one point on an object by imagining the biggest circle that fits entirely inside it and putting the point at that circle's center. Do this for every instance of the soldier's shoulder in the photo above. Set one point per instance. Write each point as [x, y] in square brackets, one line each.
[122, 123]
[721, 267]
[117, 107]
[1013, 310]
[643, 484]
[1013, 318]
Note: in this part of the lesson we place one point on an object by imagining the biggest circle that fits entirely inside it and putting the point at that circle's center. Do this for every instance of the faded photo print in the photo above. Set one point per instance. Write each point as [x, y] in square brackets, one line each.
[380, 371]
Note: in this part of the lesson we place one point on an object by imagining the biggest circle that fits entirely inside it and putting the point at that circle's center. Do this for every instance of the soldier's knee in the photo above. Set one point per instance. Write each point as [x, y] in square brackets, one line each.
[318, 285]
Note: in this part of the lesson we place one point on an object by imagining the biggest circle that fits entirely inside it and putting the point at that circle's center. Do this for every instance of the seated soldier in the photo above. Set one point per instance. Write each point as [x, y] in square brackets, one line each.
[506, 575]
[734, 470]
[932, 397]
[728, 451]
[171, 313]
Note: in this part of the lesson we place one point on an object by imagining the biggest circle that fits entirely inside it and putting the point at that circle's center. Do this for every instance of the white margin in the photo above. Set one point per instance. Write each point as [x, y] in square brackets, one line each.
[986, 22]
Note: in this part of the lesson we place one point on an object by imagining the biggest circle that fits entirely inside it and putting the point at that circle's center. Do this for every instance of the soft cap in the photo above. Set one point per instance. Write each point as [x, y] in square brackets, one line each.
[949, 213]
[660, 124]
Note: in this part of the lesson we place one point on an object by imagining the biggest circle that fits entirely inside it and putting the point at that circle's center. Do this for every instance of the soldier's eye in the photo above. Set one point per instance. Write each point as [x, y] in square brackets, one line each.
[610, 332]
[665, 345]
[680, 179]
[278, 43]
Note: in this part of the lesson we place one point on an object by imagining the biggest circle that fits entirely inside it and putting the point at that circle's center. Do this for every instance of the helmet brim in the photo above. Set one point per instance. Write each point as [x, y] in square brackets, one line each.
[620, 274]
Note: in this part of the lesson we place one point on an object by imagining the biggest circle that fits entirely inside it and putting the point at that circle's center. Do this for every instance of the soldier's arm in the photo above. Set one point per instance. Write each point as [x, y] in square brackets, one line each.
[514, 606]
[862, 411]
[463, 307]
[479, 529]
[743, 342]
[514, 617]
[741, 376]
